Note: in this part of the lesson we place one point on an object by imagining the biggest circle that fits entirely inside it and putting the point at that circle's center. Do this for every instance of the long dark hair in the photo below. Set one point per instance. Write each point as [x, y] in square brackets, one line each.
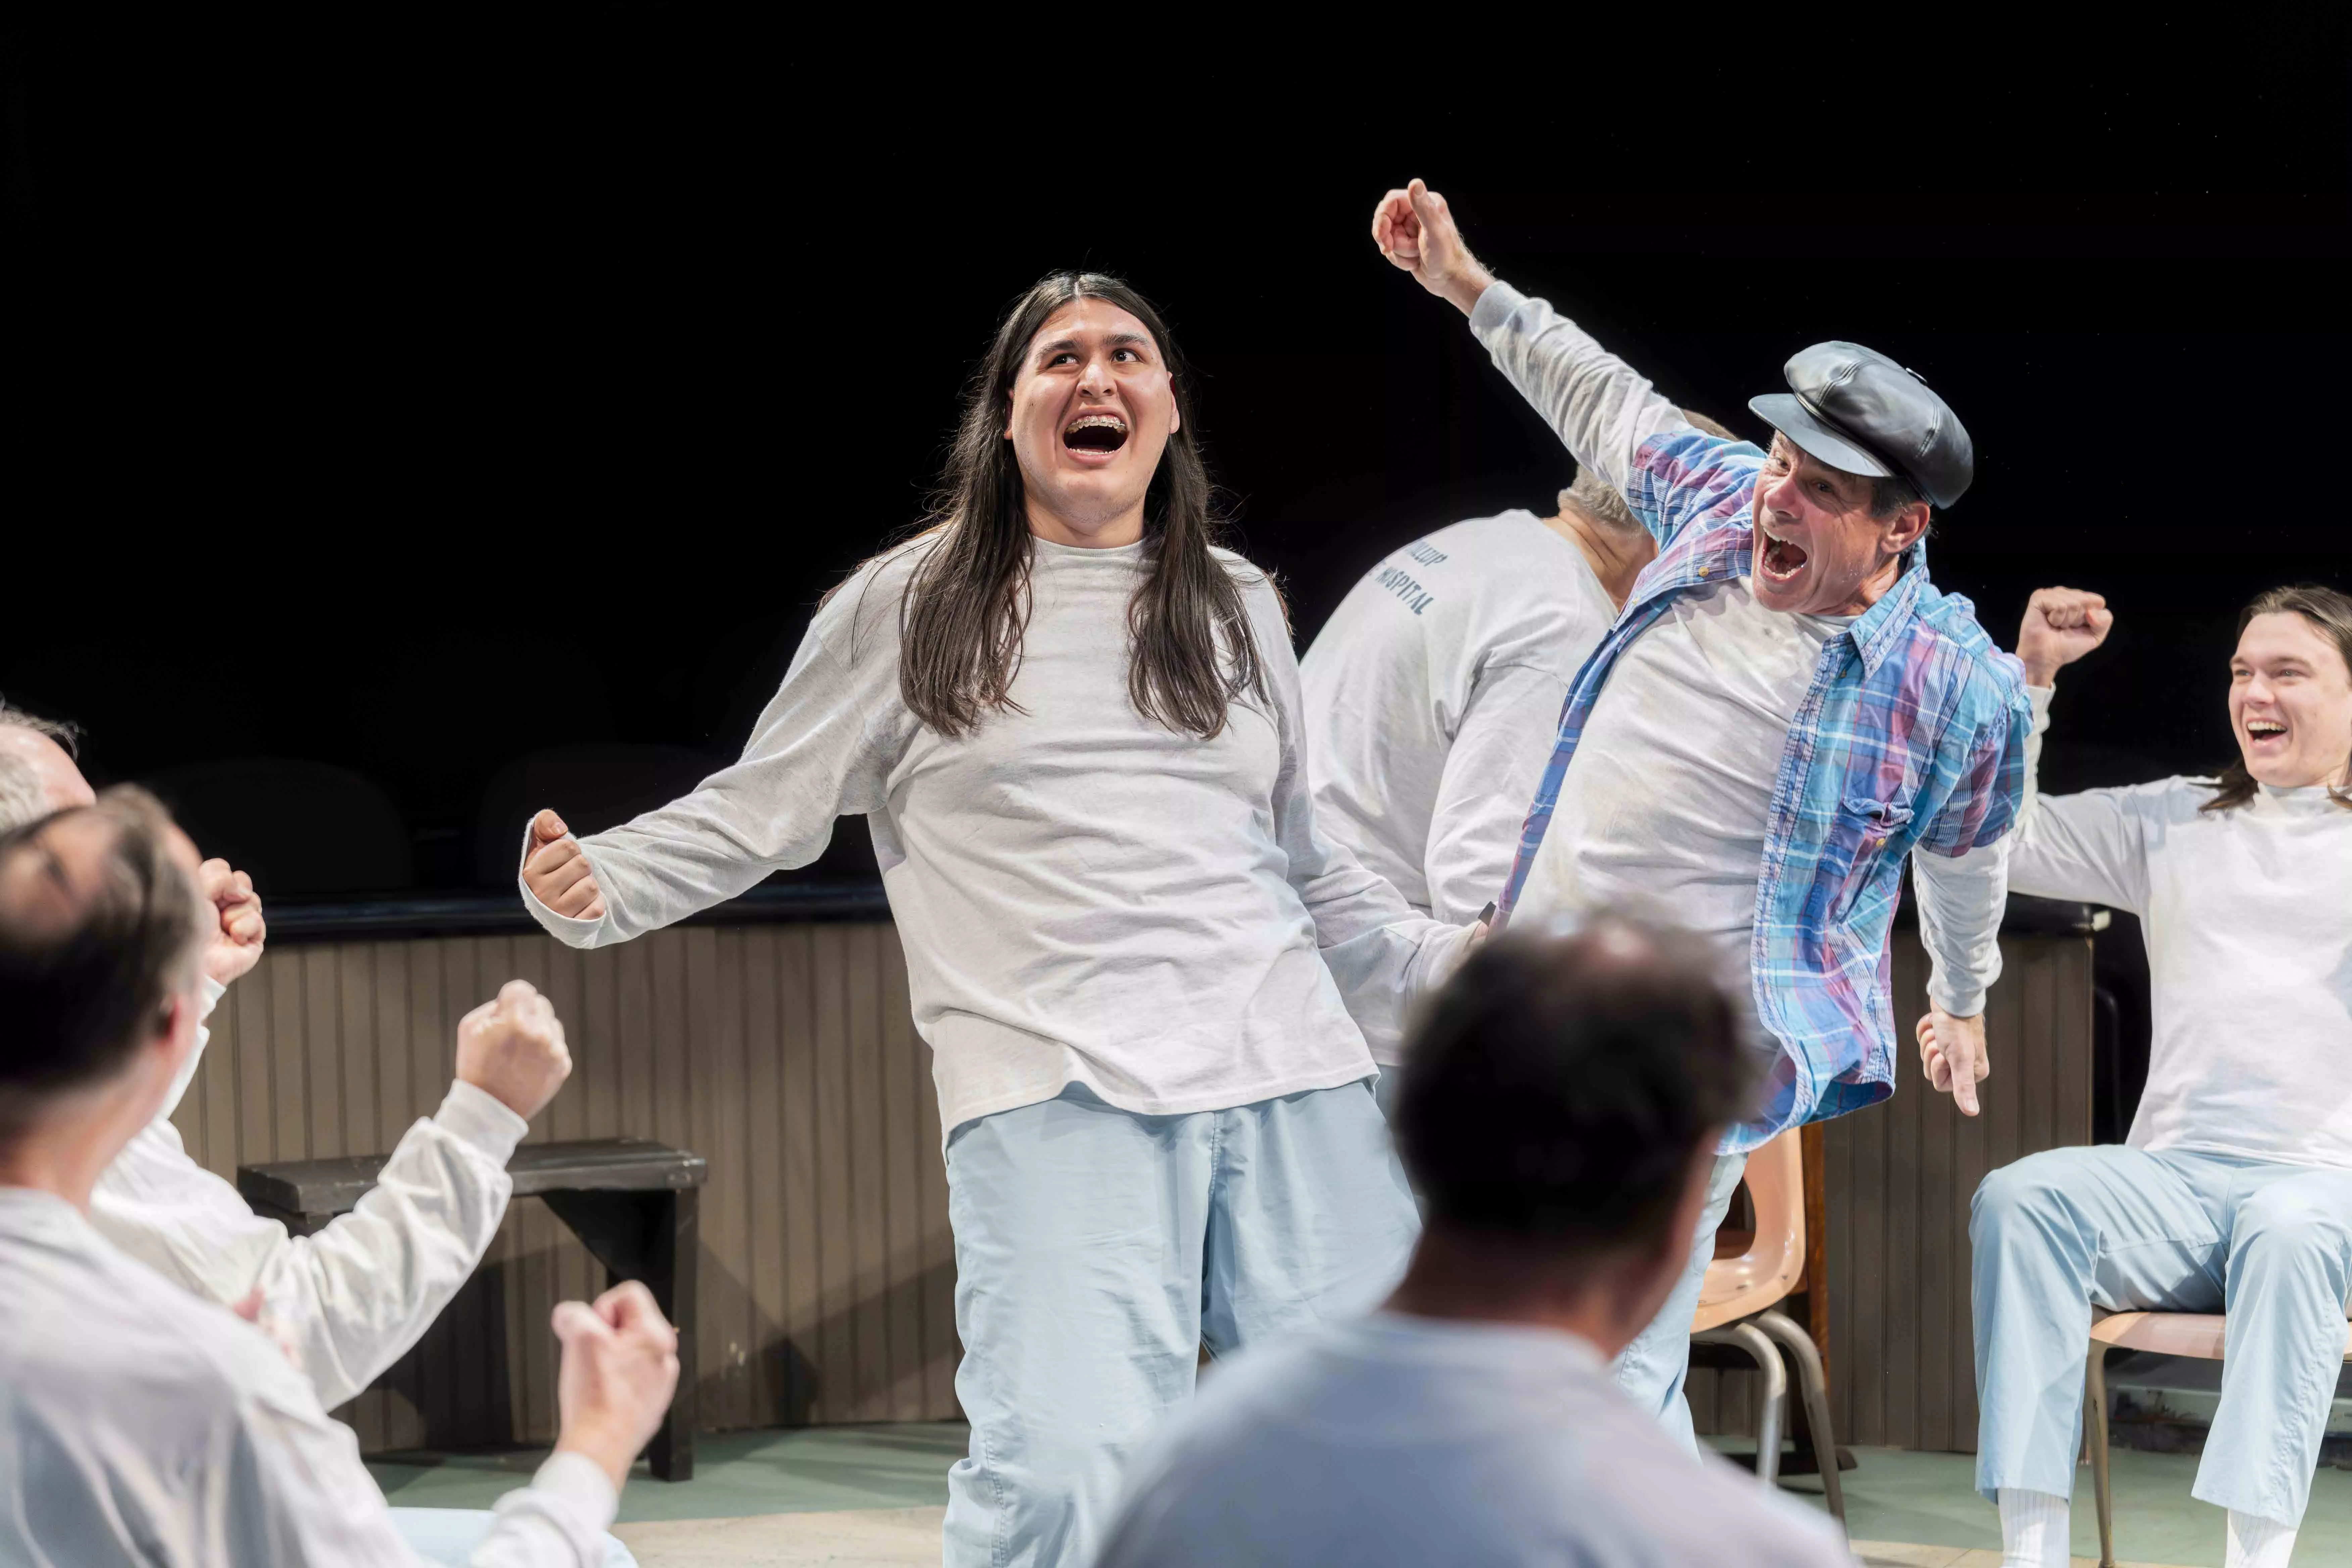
[2330, 614]
[1189, 651]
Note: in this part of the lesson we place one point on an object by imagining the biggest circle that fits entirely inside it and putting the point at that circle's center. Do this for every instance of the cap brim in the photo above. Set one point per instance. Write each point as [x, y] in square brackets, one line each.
[1784, 413]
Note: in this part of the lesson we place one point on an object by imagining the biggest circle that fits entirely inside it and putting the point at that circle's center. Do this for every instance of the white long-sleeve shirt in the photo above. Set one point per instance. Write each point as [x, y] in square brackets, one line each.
[1432, 698]
[2247, 914]
[1086, 896]
[1604, 412]
[141, 1426]
[356, 1296]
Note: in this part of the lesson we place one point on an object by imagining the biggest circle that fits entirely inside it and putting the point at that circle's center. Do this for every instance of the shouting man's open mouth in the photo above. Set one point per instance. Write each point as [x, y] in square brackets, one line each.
[1099, 432]
[1782, 559]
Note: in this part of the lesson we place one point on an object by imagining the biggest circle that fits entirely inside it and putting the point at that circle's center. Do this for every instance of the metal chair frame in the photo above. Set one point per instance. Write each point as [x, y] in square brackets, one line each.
[1758, 1281]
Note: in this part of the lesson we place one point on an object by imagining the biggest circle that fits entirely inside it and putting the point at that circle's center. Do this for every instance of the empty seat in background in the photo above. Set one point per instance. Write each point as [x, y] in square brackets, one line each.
[296, 826]
[591, 787]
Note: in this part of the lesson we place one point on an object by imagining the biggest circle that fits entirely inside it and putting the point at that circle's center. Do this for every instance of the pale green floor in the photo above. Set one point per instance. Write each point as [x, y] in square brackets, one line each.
[1926, 1498]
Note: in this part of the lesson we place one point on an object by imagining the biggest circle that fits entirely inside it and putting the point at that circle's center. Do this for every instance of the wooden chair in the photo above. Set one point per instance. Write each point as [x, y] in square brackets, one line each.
[1737, 1303]
[2197, 1335]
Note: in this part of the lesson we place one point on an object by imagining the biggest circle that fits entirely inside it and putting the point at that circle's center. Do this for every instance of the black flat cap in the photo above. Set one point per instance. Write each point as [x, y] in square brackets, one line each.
[1855, 409]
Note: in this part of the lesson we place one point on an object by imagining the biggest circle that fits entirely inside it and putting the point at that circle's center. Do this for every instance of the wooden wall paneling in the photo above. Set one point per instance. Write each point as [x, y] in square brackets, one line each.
[575, 1278]
[716, 1084]
[289, 1061]
[796, 996]
[255, 1129]
[868, 1195]
[785, 1055]
[763, 1167]
[942, 1350]
[479, 1403]
[836, 1354]
[322, 1109]
[217, 1145]
[902, 1088]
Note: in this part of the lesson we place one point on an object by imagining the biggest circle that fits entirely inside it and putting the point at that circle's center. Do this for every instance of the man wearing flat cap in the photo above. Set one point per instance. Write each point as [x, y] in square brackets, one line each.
[1785, 710]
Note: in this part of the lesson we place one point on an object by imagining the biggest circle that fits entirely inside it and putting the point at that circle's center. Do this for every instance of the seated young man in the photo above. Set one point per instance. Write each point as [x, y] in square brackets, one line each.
[1560, 1121]
[2235, 1189]
[143, 1425]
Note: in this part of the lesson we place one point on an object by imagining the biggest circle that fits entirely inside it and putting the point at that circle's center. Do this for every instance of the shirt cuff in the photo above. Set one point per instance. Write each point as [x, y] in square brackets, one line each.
[1958, 1003]
[1495, 307]
[478, 1117]
[209, 992]
[579, 1485]
[563, 927]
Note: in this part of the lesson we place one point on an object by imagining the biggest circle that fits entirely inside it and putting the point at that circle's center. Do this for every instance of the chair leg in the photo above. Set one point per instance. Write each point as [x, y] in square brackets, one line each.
[1812, 1385]
[2094, 1401]
[1747, 1337]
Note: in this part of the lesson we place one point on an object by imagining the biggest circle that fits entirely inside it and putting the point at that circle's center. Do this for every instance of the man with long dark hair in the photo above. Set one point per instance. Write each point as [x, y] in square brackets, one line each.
[1073, 726]
[2234, 1190]
[1786, 711]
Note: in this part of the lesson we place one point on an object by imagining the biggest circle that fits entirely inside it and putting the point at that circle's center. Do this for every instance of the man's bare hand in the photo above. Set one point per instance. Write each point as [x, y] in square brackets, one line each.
[2060, 626]
[1952, 1052]
[1415, 230]
[513, 1049]
[620, 1370]
[237, 942]
[557, 872]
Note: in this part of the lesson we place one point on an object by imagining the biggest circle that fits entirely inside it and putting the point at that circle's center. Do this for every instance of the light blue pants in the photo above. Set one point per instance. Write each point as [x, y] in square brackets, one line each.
[1654, 1368]
[447, 1536]
[1097, 1250]
[2060, 1232]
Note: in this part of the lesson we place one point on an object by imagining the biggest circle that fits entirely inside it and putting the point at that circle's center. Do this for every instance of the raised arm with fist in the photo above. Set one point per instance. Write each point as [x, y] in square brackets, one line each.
[556, 871]
[1415, 230]
[512, 1049]
[237, 944]
[2060, 626]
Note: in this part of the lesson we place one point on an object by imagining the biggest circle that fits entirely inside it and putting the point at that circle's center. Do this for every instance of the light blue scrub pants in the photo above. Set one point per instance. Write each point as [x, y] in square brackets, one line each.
[2121, 1228]
[1652, 1369]
[1097, 1250]
[447, 1536]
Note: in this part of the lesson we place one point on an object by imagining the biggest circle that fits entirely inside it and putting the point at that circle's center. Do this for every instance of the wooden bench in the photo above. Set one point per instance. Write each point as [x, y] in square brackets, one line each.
[631, 1202]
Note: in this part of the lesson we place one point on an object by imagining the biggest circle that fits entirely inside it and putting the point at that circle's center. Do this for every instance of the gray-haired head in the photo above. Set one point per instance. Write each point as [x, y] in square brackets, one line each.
[27, 789]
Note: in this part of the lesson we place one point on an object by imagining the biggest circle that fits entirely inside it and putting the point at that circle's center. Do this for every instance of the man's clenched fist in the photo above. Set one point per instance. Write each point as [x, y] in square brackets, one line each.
[556, 870]
[237, 942]
[620, 1369]
[513, 1049]
[1414, 229]
[2060, 626]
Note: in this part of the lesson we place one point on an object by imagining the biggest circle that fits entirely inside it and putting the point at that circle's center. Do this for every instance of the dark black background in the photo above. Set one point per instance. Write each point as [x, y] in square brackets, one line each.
[416, 391]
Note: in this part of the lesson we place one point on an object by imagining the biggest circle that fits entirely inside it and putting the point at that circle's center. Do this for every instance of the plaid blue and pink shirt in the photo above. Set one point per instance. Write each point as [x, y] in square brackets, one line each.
[1912, 736]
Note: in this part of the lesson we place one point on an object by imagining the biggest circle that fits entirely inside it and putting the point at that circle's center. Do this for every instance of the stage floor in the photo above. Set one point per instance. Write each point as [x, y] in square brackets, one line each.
[857, 1496]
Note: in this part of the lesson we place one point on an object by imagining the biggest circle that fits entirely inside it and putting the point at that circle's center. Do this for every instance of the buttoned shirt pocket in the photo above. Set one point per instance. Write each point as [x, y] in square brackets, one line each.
[1857, 851]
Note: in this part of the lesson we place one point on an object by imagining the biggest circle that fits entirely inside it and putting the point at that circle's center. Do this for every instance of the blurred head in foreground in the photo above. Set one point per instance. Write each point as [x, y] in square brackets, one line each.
[1566, 1096]
[101, 935]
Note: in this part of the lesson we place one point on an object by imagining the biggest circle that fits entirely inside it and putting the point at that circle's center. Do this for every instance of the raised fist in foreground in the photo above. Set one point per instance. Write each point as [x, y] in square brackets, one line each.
[237, 944]
[620, 1369]
[513, 1049]
[1414, 229]
[557, 873]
